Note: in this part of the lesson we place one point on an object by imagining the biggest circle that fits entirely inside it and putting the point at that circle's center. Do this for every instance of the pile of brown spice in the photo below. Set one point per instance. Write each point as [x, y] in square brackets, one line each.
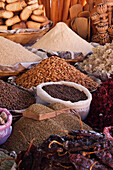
[40, 130]
[39, 108]
[14, 98]
[38, 112]
[41, 112]
[54, 69]
[57, 106]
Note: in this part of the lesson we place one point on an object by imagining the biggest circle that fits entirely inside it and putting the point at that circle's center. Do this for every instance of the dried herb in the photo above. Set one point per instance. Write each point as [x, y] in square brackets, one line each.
[101, 110]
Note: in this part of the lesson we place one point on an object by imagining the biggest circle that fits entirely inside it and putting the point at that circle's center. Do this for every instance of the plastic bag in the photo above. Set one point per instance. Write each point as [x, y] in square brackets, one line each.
[5, 130]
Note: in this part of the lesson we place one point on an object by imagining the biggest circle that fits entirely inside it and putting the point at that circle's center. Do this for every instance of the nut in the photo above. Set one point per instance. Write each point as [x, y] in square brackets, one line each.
[54, 69]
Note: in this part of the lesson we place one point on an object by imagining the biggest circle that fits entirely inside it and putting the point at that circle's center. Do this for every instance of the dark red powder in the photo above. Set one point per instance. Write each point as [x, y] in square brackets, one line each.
[101, 110]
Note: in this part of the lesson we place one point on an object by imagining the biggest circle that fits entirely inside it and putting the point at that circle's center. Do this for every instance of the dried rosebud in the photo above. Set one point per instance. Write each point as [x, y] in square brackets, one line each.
[2, 122]
[4, 116]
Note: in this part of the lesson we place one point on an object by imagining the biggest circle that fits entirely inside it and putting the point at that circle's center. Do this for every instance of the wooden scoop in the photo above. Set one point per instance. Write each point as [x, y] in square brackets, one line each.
[82, 26]
[74, 10]
[85, 14]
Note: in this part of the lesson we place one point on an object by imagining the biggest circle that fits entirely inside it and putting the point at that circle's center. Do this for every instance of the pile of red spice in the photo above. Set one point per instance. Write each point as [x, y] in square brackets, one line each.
[101, 109]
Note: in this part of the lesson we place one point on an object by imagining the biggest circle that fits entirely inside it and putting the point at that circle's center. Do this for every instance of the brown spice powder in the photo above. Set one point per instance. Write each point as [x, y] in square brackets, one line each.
[39, 108]
[40, 130]
[57, 106]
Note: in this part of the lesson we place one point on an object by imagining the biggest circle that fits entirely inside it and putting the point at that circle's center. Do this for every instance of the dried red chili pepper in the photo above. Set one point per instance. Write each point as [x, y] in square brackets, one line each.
[101, 110]
[107, 130]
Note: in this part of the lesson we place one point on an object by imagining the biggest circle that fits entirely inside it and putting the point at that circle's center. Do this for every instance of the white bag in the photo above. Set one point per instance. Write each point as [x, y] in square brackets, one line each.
[81, 107]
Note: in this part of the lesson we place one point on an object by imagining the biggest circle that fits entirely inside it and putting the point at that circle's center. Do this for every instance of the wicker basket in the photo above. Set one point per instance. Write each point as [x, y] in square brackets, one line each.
[25, 36]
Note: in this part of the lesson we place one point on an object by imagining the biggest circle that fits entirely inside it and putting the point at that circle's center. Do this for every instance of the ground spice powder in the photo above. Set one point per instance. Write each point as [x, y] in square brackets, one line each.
[12, 53]
[40, 130]
[57, 106]
[39, 108]
[101, 110]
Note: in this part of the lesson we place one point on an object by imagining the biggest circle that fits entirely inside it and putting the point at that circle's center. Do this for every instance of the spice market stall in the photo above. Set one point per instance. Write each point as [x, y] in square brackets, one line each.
[56, 85]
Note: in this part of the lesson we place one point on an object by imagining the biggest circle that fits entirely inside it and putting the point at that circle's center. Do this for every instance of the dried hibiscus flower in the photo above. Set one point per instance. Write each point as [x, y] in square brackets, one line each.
[101, 110]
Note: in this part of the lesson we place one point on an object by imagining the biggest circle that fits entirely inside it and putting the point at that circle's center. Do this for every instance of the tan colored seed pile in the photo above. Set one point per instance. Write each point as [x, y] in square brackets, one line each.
[40, 130]
[12, 53]
[54, 69]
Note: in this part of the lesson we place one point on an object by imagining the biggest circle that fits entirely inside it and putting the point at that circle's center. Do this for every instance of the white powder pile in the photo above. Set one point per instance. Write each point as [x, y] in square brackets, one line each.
[12, 53]
[62, 38]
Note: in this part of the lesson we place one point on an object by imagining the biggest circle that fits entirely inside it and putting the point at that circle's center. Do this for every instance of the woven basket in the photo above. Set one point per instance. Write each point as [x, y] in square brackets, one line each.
[25, 36]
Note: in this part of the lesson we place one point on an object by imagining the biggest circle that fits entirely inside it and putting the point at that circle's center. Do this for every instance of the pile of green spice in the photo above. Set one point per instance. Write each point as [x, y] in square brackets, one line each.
[101, 110]
[40, 130]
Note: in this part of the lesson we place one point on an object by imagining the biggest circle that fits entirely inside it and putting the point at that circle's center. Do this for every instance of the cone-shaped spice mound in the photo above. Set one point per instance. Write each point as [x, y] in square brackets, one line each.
[12, 53]
[62, 38]
[54, 69]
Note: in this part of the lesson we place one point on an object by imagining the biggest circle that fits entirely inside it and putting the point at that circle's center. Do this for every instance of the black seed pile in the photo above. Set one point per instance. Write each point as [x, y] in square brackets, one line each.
[14, 98]
[63, 92]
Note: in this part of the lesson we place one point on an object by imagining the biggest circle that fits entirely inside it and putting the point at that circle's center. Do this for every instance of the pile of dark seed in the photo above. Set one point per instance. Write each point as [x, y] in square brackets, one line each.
[64, 92]
[14, 98]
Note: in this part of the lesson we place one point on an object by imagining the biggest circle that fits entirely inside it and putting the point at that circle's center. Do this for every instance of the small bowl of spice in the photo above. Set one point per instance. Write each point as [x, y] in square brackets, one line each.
[72, 95]
[5, 125]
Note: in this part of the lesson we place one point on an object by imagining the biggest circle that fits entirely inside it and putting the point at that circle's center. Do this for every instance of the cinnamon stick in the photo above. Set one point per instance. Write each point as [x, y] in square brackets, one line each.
[40, 2]
[60, 10]
[54, 11]
[48, 8]
[73, 2]
[66, 10]
[82, 2]
[44, 6]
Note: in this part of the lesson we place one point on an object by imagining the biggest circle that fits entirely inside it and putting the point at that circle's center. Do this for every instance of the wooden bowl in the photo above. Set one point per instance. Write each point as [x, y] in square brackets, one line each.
[26, 36]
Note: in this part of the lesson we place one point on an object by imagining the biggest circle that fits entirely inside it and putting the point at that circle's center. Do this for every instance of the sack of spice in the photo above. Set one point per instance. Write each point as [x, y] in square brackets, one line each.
[5, 127]
[70, 94]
